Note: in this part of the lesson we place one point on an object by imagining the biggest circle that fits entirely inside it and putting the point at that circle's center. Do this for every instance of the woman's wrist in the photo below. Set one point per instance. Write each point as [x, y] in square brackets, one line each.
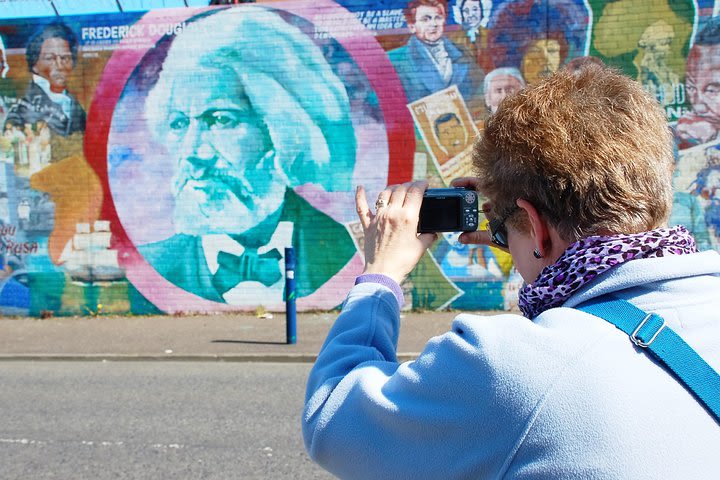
[386, 281]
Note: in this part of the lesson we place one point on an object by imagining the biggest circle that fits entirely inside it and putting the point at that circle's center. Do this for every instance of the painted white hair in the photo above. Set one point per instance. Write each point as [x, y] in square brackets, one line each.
[287, 80]
[512, 71]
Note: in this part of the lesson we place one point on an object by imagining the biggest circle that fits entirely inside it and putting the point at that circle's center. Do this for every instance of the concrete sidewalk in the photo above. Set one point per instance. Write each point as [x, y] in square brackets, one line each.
[226, 337]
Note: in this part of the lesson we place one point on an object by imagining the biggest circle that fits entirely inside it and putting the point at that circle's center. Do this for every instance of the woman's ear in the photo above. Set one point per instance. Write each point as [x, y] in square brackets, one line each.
[548, 242]
[538, 226]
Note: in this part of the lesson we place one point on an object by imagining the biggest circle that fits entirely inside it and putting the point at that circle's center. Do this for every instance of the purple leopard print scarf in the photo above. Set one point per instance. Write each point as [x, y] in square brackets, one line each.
[587, 258]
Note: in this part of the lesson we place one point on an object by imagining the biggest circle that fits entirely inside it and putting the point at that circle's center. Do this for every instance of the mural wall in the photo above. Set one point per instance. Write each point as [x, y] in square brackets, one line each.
[161, 161]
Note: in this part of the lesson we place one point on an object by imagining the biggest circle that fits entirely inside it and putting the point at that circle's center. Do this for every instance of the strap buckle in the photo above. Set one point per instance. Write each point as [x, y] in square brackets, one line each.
[639, 342]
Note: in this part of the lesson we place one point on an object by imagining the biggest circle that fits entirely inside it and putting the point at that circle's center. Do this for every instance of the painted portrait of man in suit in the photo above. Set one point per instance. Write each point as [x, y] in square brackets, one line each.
[240, 118]
[51, 58]
[429, 61]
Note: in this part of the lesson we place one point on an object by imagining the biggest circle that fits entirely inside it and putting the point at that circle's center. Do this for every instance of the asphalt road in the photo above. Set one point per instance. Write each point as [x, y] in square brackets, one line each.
[152, 420]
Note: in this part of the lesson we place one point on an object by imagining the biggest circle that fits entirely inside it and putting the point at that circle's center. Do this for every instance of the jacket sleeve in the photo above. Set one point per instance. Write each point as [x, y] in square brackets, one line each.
[444, 415]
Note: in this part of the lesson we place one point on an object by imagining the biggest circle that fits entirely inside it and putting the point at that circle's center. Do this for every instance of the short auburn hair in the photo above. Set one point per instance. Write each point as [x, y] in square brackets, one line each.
[411, 8]
[591, 150]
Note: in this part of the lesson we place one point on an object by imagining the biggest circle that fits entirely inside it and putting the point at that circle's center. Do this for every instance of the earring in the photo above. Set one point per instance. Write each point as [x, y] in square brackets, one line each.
[536, 254]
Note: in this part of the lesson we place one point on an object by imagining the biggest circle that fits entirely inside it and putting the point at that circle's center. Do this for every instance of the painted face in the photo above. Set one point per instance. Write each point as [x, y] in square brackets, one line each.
[224, 180]
[702, 81]
[451, 135]
[500, 87]
[541, 59]
[471, 14]
[429, 23]
[55, 63]
[657, 39]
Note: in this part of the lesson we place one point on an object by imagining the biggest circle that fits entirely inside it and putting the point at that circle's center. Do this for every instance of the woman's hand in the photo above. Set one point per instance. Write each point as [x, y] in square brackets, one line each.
[392, 245]
[478, 237]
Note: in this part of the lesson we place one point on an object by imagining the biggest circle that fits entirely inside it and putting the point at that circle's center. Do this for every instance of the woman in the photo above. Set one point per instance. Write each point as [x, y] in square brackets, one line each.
[577, 171]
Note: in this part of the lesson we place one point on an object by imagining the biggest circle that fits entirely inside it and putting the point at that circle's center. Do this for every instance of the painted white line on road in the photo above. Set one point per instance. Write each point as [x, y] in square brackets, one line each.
[26, 441]
[21, 441]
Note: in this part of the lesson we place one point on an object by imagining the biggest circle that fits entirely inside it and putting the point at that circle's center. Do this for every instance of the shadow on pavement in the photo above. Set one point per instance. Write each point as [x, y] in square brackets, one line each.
[249, 342]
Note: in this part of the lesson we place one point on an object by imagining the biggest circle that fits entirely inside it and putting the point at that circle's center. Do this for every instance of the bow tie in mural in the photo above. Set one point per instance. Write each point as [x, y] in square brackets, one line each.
[250, 266]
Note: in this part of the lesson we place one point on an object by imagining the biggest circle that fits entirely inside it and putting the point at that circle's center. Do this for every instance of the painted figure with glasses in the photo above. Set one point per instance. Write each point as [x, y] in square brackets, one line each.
[577, 172]
[51, 57]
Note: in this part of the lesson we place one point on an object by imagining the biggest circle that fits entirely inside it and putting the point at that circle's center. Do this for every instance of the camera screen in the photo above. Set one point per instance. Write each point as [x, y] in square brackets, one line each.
[440, 214]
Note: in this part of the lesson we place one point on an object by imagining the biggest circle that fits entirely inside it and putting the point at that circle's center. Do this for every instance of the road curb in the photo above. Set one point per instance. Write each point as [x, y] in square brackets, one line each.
[247, 358]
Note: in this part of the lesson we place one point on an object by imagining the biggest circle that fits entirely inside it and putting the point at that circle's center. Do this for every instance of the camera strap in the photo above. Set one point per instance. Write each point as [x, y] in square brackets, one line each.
[650, 333]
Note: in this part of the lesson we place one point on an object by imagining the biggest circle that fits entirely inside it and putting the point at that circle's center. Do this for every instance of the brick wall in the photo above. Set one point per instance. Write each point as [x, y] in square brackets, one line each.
[185, 148]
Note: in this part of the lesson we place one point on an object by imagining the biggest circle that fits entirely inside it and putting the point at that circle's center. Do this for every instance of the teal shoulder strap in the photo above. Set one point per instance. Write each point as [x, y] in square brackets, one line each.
[650, 333]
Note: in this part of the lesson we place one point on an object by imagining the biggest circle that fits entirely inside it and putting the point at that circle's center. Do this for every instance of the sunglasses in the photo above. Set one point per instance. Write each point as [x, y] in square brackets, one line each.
[498, 231]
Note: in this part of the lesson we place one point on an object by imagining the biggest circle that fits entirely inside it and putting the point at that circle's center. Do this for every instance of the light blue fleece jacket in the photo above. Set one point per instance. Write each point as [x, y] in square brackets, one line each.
[566, 395]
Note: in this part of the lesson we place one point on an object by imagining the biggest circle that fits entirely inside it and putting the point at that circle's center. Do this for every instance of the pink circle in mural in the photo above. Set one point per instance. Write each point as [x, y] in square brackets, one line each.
[137, 169]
